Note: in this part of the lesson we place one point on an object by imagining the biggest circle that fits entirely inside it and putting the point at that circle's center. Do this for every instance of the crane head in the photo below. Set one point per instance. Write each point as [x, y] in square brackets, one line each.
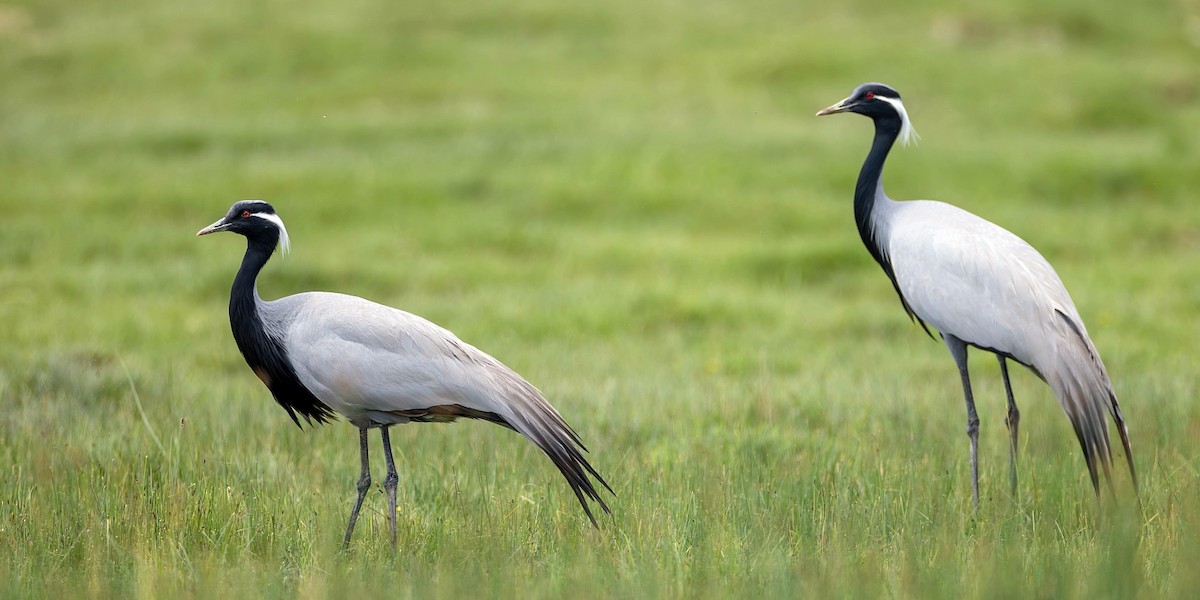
[880, 103]
[254, 219]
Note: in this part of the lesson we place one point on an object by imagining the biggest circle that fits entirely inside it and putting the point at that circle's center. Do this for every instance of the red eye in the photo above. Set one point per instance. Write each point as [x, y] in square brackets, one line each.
[870, 95]
[245, 214]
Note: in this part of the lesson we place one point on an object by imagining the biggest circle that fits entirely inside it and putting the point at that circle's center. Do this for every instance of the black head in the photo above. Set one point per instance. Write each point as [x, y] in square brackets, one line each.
[878, 101]
[254, 219]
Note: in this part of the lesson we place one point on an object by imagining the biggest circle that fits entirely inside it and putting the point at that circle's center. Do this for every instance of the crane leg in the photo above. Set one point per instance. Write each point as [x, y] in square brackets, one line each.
[1013, 421]
[389, 483]
[958, 349]
[364, 484]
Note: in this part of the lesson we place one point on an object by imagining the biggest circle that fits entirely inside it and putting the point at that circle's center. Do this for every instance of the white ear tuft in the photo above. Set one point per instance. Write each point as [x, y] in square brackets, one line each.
[285, 244]
[908, 135]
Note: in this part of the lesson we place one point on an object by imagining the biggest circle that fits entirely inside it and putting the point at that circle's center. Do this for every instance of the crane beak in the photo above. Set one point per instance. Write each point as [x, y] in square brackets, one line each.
[842, 106]
[215, 227]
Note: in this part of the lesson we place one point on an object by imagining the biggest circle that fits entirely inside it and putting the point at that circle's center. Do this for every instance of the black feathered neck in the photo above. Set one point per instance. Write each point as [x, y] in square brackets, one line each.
[867, 192]
[262, 349]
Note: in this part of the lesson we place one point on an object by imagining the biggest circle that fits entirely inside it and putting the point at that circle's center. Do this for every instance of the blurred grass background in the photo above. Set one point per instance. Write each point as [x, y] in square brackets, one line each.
[631, 204]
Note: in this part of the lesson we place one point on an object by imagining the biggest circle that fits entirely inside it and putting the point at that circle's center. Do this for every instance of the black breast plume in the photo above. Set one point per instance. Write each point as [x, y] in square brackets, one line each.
[263, 350]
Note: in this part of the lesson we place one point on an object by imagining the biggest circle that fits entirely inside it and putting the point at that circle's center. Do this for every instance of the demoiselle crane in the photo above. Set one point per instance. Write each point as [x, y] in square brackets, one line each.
[322, 353]
[979, 285]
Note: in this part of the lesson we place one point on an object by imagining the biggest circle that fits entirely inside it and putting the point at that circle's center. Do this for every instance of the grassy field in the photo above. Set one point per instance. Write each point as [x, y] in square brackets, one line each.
[632, 205]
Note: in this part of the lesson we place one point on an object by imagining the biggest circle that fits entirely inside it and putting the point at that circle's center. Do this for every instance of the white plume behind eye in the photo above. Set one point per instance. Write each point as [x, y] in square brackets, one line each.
[284, 244]
[908, 135]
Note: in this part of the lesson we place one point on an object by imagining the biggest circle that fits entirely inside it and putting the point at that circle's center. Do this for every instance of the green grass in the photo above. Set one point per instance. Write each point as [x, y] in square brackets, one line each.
[632, 205]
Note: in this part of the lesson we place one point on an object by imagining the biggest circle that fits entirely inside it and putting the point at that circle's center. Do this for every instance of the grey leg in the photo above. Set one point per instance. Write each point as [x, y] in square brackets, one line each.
[389, 484]
[958, 349]
[1013, 421]
[364, 484]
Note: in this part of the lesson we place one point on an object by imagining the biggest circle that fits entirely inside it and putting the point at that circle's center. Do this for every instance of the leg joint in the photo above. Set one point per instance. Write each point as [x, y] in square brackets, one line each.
[973, 426]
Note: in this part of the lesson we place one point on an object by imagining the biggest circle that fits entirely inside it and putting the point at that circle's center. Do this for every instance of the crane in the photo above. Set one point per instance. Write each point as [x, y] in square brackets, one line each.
[981, 286]
[322, 353]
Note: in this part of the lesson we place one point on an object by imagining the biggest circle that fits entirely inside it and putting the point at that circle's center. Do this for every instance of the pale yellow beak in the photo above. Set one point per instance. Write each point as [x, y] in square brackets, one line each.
[215, 227]
[835, 109]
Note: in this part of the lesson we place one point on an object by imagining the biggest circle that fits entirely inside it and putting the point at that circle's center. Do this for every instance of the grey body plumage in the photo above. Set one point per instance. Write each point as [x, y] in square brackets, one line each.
[323, 353]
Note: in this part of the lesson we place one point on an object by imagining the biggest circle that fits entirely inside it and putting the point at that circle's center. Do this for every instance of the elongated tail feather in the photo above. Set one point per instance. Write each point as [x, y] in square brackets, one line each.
[1085, 392]
[528, 412]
